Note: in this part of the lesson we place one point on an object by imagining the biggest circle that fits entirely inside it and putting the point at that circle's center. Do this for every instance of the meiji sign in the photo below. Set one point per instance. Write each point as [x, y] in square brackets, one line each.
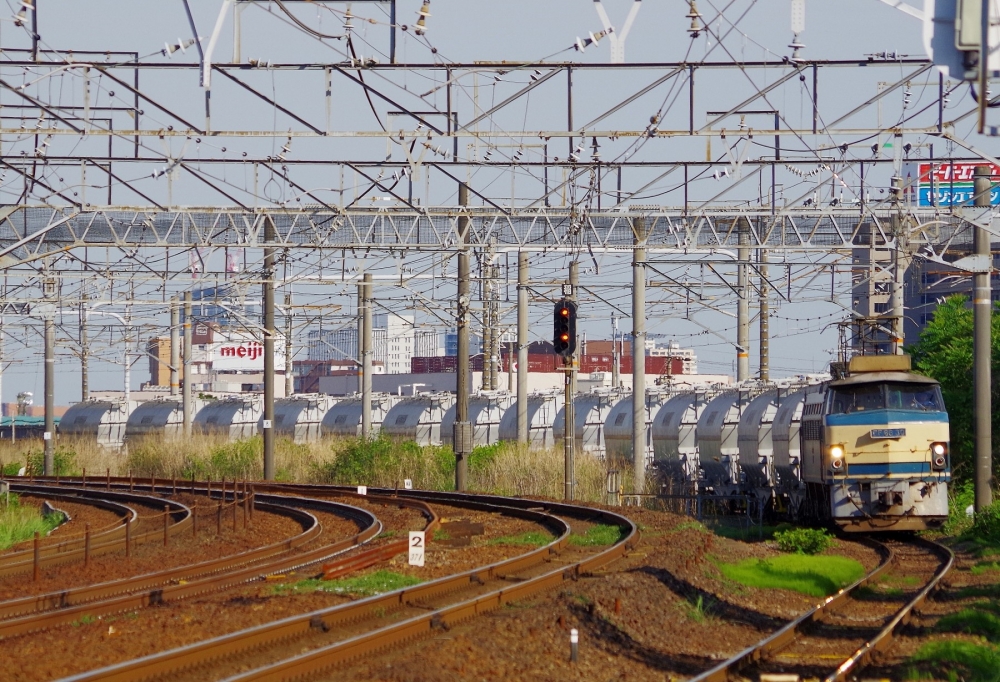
[243, 356]
[250, 351]
[945, 183]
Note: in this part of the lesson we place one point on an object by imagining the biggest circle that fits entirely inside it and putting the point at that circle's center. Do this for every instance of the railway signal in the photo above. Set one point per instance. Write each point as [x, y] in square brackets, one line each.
[564, 332]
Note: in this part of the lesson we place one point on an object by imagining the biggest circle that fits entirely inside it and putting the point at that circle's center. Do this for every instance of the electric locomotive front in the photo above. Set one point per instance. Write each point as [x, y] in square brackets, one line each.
[875, 448]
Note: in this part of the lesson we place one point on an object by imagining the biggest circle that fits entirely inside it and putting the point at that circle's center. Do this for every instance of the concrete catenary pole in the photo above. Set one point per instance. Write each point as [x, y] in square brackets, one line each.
[270, 258]
[187, 348]
[463, 432]
[764, 320]
[569, 432]
[982, 346]
[84, 355]
[639, 355]
[900, 263]
[366, 357]
[289, 365]
[175, 347]
[616, 355]
[48, 461]
[522, 347]
[743, 305]
[361, 335]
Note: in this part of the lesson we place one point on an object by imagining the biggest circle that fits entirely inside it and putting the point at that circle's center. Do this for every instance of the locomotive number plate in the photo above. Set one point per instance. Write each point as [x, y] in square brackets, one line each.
[888, 433]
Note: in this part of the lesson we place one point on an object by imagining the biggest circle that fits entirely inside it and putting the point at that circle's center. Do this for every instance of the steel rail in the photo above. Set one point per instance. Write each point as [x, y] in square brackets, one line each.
[165, 663]
[863, 656]
[790, 632]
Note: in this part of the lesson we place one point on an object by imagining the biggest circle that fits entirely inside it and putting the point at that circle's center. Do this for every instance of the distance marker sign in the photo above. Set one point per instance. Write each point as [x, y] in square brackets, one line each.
[416, 548]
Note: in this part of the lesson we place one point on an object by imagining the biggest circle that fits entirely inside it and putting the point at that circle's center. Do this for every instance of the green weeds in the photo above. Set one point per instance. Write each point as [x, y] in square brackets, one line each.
[19, 523]
[597, 536]
[530, 538]
[358, 586]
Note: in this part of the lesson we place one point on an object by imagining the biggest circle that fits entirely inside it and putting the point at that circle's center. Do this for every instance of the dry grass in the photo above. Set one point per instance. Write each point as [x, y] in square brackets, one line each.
[518, 470]
[502, 469]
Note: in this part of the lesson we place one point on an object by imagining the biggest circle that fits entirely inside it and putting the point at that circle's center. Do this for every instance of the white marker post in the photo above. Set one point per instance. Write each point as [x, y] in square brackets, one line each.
[574, 644]
[362, 490]
[416, 548]
[408, 484]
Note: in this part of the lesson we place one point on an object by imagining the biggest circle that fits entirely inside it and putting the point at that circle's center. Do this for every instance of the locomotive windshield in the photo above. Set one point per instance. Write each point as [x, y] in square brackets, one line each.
[892, 396]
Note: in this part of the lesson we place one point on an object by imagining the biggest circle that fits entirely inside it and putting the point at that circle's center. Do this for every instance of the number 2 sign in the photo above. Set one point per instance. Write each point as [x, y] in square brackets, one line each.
[416, 548]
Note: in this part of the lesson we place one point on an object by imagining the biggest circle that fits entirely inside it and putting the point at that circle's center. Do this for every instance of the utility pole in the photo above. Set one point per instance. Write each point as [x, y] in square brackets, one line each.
[639, 354]
[366, 357]
[175, 347]
[982, 346]
[270, 257]
[361, 336]
[899, 264]
[764, 320]
[48, 463]
[494, 271]
[569, 362]
[462, 436]
[84, 356]
[616, 355]
[289, 365]
[522, 347]
[743, 305]
[188, 347]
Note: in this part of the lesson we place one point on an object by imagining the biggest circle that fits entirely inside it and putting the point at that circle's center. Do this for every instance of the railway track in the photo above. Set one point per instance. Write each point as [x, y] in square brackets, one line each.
[48, 610]
[310, 643]
[843, 633]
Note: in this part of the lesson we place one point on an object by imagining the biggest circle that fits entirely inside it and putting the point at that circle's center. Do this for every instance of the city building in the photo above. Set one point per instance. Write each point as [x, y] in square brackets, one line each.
[393, 339]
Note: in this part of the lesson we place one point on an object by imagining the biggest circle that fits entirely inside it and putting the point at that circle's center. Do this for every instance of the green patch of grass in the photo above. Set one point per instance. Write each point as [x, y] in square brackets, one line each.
[387, 534]
[985, 567]
[367, 585]
[982, 619]
[596, 536]
[84, 620]
[812, 575]
[956, 660]
[532, 538]
[19, 523]
[441, 534]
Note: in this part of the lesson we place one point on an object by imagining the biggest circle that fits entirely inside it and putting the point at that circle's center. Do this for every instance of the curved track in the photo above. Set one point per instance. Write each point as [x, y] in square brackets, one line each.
[838, 638]
[43, 611]
[333, 635]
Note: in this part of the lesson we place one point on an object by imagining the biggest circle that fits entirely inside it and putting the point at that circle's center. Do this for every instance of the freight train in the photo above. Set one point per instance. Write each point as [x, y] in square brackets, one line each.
[866, 450]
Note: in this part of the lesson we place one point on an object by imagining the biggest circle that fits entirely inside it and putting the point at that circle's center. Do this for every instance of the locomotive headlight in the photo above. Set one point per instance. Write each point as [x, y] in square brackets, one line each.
[939, 455]
[836, 457]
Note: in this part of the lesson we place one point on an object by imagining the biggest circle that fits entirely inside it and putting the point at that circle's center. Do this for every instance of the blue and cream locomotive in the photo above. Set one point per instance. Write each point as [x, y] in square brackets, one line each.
[874, 448]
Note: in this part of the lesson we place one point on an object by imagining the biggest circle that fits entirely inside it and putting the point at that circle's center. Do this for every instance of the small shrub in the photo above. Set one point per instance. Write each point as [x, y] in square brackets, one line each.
[63, 459]
[803, 540]
[986, 524]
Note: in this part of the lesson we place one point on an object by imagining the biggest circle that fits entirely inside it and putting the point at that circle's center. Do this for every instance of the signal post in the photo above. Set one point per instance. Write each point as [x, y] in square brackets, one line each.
[564, 342]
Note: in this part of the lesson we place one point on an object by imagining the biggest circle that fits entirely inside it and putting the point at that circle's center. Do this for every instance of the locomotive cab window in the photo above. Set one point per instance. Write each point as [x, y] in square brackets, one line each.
[892, 396]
